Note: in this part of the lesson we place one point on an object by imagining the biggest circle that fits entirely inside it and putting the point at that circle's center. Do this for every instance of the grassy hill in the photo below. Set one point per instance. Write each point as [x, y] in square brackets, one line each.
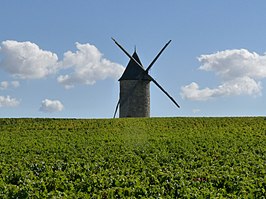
[134, 158]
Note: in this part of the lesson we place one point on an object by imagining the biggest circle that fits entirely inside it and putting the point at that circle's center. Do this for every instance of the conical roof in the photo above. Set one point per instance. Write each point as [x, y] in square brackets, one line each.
[133, 71]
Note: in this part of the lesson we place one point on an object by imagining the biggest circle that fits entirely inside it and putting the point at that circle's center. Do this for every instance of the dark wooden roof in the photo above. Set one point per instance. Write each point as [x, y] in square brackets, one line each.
[133, 71]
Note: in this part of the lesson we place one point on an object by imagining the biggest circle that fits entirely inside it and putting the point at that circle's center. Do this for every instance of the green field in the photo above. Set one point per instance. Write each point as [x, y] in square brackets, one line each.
[133, 158]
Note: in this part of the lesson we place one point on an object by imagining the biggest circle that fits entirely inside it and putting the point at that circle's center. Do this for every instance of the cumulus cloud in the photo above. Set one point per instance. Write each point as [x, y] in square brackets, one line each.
[15, 84]
[196, 110]
[230, 64]
[50, 106]
[88, 65]
[5, 84]
[240, 72]
[26, 60]
[7, 101]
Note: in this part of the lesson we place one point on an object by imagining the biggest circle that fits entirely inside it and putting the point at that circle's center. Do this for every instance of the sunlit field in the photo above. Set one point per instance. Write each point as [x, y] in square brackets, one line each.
[134, 158]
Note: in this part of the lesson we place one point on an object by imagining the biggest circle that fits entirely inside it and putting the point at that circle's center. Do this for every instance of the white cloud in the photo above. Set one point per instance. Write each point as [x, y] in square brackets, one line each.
[5, 84]
[196, 110]
[8, 101]
[88, 66]
[26, 60]
[238, 70]
[50, 106]
[15, 84]
[230, 64]
[193, 92]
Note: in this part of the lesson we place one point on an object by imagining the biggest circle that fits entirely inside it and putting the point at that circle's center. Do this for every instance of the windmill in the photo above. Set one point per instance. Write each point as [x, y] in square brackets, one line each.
[134, 98]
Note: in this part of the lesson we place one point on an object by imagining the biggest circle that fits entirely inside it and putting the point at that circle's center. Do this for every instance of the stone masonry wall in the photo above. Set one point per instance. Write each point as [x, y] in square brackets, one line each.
[134, 102]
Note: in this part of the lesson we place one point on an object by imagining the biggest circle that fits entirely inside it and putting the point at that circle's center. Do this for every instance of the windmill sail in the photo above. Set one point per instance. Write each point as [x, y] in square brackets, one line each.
[135, 71]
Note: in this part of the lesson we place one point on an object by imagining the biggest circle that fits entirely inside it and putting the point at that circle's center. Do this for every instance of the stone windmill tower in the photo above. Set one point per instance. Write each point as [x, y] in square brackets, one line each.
[134, 99]
[135, 95]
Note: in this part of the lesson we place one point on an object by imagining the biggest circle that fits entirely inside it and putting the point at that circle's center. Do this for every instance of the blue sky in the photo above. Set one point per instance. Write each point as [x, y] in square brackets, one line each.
[57, 58]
